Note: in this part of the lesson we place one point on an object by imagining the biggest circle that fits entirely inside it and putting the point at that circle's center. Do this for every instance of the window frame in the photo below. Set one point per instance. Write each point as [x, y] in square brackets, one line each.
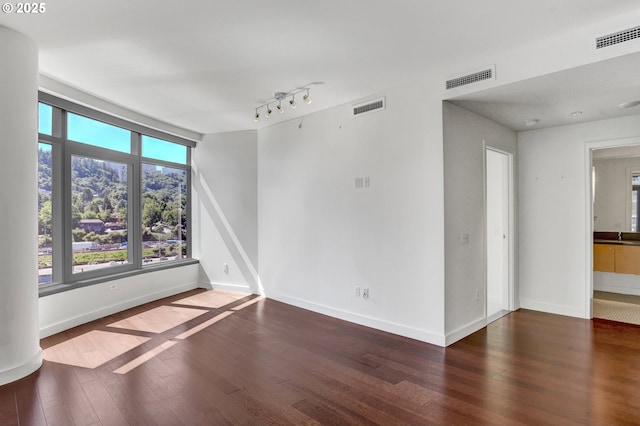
[62, 151]
[636, 189]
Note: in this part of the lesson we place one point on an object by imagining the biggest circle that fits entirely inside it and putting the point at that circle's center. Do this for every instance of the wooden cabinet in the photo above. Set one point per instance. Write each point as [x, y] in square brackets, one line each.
[627, 260]
[621, 259]
[604, 257]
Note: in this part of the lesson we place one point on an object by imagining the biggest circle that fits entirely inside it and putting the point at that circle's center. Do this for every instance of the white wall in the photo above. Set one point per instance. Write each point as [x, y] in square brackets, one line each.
[612, 204]
[20, 352]
[62, 311]
[465, 135]
[320, 237]
[554, 243]
[225, 209]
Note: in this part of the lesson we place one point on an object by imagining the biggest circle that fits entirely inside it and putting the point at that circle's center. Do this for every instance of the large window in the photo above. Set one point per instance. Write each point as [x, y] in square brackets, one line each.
[112, 199]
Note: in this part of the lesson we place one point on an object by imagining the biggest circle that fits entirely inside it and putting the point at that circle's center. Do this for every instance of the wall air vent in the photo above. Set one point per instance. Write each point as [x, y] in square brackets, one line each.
[617, 38]
[486, 74]
[368, 106]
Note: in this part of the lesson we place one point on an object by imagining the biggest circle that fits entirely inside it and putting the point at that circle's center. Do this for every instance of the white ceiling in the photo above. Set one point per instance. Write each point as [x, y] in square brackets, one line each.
[595, 91]
[204, 65]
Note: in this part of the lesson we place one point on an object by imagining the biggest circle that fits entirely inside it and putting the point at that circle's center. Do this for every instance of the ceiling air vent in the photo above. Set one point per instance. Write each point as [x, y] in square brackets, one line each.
[617, 38]
[486, 74]
[368, 106]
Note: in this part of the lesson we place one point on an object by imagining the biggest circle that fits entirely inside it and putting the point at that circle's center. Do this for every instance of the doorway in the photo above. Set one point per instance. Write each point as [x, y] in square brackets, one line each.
[615, 183]
[499, 233]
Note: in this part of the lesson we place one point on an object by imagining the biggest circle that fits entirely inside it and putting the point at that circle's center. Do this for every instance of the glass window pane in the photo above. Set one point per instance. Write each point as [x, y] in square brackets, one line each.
[159, 149]
[45, 241]
[634, 210]
[45, 115]
[97, 133]
[164, 218]
[99, 213]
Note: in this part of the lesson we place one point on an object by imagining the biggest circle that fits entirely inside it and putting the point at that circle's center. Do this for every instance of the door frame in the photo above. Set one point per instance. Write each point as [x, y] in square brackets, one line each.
[511, 228]
[589, 147]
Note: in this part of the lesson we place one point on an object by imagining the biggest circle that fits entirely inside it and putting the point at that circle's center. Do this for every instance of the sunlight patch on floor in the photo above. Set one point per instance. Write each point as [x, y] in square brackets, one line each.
[159, 320]
[212, 299]
[92, 349]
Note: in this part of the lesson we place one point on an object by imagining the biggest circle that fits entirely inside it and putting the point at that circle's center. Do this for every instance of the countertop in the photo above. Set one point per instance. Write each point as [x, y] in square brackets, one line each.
[618, 242]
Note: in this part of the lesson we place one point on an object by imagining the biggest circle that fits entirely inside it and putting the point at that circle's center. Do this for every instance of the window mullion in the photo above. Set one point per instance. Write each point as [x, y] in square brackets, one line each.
[134, 235]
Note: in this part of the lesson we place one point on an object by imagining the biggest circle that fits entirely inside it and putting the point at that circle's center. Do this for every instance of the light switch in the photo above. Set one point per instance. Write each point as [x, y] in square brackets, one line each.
[463, 238]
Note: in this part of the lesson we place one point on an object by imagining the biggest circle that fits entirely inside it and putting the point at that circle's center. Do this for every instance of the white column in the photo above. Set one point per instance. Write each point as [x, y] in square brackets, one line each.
[20, 352]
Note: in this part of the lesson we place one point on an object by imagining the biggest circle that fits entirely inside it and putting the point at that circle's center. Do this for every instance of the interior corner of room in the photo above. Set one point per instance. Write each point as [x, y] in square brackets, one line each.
[429, 217]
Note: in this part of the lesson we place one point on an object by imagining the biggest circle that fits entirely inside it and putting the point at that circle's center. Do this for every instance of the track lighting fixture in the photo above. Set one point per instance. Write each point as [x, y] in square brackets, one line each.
[280, 96]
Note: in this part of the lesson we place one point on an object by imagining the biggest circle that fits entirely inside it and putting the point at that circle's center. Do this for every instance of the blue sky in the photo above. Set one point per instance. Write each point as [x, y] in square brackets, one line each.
[96, 133]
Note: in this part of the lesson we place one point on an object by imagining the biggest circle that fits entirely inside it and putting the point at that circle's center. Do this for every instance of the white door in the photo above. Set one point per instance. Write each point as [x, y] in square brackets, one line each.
[498, 259]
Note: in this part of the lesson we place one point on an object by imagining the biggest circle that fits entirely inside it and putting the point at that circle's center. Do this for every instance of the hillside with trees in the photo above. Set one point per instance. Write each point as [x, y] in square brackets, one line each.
[99, 203]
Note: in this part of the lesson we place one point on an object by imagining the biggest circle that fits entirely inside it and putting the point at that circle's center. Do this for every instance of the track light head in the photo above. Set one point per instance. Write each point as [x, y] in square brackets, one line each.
[306, 98]
[256, 117]
[279, 107]
[293, 103]
[268, 112]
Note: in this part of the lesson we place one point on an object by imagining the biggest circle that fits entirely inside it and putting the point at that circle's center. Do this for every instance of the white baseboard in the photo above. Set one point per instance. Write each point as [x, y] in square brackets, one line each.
[618, 289]
[390, 327]
[240, 288]
[617, 283]
[569, 311]
[465, 330]
[22, 370]
[86, 317]
[497, 315]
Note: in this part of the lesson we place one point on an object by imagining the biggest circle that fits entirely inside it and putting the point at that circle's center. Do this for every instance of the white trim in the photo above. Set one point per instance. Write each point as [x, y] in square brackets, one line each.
[240, 288]
[616, 283]
[390, 327]
[497, 315]
[617, 289]
[570, 311]
[22, 370]
[464, 331]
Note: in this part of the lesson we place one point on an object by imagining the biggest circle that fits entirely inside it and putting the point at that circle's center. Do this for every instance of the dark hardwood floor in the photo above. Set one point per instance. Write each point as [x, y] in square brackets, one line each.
[217, 358]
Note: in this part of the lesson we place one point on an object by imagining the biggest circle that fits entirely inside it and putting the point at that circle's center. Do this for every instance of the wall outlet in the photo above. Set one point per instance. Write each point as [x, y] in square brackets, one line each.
[365, 293]
[477, 294]
[225, 268]
[113, 286]
[367, 182]
[463, 238]
[357, 292]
